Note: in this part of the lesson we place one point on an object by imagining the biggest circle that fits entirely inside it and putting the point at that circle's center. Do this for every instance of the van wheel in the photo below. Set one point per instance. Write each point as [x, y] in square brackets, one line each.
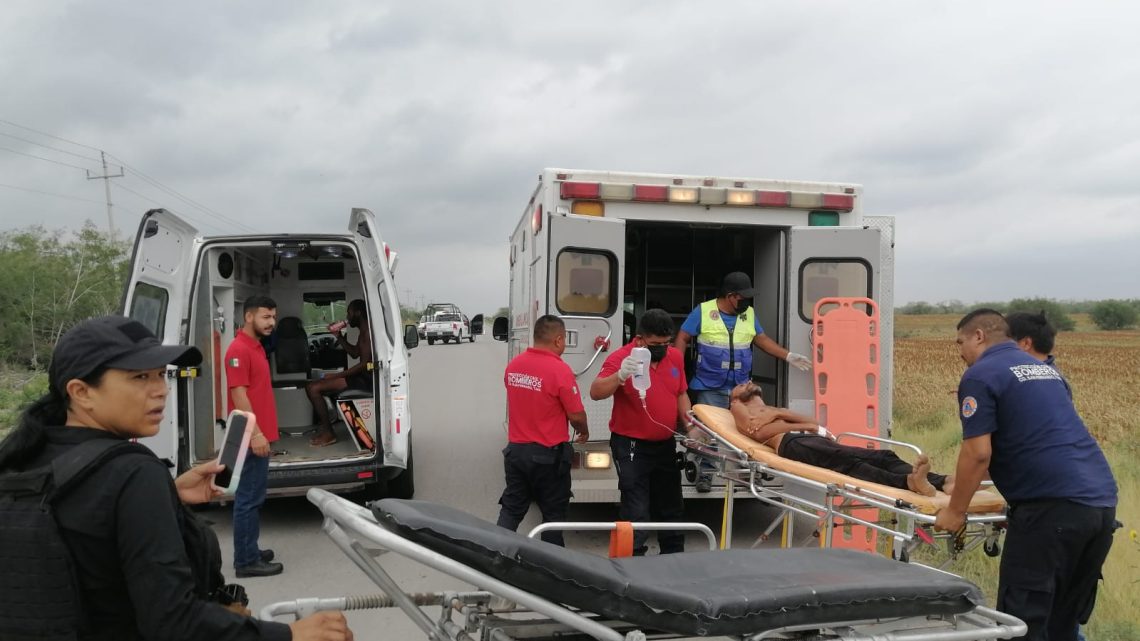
[404, 485]
[471, 338]
[431, 341]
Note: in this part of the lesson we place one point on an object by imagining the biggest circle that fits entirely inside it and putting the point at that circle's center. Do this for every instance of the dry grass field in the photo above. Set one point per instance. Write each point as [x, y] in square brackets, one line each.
[1104, 371]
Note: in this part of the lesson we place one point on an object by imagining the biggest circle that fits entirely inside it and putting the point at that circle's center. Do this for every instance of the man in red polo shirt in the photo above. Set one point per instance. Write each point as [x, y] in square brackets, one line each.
[251, 389]
[641, 435]
[542, 396]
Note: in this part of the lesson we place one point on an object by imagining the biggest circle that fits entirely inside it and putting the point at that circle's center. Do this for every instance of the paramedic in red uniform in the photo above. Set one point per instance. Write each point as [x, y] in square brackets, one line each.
[542, 396]
[251, 390]
[1019, 424]
[641, 436]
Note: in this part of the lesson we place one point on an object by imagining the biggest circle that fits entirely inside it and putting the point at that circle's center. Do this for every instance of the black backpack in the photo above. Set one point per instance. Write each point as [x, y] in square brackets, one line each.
[39, 592]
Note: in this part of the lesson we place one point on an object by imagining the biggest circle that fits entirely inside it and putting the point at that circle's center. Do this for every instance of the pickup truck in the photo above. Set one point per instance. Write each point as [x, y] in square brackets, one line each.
[446, 323]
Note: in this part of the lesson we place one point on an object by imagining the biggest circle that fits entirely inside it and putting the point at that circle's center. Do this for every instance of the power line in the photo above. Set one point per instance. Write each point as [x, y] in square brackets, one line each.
[42, 133]
[48, 193]
[152, 181]
[58, 162]
[158, 185]
[38, 144]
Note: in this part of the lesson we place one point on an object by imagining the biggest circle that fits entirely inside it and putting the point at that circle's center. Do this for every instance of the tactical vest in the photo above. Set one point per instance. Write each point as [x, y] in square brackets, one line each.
[724, 359]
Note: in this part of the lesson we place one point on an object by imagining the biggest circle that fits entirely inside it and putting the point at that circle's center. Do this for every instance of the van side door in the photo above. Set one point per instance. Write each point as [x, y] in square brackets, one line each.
[390, 370]
[157, 295]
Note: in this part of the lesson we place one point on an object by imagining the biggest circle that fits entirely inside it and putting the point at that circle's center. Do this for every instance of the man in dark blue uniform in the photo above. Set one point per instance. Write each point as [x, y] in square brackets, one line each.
[1018, 421]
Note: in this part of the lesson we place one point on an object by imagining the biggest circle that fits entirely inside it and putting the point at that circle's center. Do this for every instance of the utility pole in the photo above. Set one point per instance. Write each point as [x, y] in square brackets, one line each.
[106, 178]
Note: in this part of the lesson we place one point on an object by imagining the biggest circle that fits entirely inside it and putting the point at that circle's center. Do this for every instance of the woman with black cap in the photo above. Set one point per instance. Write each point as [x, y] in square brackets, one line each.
[123, 525]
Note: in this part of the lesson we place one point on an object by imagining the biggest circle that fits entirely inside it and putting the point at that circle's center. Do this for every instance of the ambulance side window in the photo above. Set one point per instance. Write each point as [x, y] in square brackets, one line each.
[847, 277]
[148, 306]
[587, 282]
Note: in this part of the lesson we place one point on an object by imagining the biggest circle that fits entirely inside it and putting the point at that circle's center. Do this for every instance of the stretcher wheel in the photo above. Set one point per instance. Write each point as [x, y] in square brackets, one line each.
[991, 548]
[690, 471]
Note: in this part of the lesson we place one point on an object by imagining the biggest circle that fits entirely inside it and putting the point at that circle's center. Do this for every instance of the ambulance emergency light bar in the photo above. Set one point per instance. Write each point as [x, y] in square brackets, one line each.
[706, 195]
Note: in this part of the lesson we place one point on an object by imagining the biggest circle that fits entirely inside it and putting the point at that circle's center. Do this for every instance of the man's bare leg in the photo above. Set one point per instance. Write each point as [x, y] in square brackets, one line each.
[316, 391]
[917, 481]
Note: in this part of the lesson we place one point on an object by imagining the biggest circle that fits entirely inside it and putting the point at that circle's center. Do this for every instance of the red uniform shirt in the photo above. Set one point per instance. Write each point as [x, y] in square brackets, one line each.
[541, 391]
[247, 366]
[666, 383]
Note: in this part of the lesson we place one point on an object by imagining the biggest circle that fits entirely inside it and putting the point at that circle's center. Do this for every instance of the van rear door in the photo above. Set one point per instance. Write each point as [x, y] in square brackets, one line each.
[823, 262]
[586, 289]
[157, 295]
[390, 372]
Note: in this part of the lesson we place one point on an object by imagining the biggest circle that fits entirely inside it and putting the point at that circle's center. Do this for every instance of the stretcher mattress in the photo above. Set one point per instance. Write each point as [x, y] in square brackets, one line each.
[720, 421]
[695, 594]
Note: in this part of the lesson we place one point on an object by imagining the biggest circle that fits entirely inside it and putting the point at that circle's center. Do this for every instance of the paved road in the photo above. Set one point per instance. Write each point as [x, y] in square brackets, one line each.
[458, 410]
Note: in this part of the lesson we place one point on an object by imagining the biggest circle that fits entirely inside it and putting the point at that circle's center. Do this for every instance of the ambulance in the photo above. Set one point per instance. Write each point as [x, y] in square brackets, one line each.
[598, 248]
[188, 288]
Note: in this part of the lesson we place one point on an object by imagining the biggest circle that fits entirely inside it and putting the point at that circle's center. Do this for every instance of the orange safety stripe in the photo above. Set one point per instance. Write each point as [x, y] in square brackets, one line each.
[621, 540]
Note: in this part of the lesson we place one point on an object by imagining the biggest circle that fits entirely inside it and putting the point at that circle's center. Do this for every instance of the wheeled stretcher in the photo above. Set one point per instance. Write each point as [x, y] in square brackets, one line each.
[549, 592]
[834, 500]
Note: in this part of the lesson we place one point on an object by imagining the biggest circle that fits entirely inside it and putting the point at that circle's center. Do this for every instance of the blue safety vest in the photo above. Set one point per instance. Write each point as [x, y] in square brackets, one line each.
[724, 356]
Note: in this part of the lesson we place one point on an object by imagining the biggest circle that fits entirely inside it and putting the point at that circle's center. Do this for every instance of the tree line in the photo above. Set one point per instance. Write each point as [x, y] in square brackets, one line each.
[1112, 314]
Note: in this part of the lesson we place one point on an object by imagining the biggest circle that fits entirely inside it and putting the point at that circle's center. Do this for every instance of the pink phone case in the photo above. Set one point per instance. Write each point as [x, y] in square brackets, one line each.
[243, 450]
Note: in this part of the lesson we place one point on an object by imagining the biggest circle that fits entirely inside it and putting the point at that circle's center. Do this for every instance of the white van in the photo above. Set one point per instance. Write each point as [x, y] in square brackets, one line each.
[190, 289]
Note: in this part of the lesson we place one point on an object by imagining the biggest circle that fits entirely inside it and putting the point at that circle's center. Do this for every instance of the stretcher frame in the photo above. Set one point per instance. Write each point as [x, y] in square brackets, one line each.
[905, 525]
[496, 611]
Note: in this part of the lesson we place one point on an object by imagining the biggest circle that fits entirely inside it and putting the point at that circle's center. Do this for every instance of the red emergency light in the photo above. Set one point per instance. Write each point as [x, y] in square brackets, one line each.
[651, 193]
[773, 199]
[838, 202]
[581, 190]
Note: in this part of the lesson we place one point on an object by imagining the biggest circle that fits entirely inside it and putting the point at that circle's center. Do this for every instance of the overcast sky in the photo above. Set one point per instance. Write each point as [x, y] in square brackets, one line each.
[1004, 136]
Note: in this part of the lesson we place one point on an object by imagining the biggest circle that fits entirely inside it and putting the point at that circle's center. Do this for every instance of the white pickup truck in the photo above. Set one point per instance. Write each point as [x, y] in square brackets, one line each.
[446, 323]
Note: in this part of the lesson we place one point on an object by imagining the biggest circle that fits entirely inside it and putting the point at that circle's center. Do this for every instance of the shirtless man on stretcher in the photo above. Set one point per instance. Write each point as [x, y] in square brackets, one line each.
[799, 438]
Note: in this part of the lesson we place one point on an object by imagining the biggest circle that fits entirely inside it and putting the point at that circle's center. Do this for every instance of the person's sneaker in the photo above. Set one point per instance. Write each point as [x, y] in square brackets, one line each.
[261, 568]
[704, 484]
[266, 556]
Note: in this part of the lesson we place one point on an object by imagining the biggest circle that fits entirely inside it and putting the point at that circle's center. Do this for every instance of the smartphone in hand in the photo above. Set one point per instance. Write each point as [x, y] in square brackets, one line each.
[234, 448]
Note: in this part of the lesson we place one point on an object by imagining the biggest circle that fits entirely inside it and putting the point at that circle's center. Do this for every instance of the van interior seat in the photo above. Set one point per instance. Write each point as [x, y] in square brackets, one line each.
[291, 356]
[291, 370]
[353, 394]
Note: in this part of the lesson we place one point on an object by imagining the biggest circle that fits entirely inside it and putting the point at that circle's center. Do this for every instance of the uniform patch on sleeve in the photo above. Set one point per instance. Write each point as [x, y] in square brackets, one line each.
[969, 406]
[234, 362]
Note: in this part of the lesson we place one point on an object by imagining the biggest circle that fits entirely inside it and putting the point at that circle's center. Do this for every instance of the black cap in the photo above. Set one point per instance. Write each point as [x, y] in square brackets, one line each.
[737, 283]
[116, 342]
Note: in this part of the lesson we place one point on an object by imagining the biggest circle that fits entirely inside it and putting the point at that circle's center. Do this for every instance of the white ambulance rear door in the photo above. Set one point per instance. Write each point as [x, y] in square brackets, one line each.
[823, 262]
[390, 373]
[585, 287]
[157, 295]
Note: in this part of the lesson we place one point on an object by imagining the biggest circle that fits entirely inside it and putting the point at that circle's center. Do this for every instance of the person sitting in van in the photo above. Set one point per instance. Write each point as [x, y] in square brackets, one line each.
[134, 550]
[357, 377]
[800, 438]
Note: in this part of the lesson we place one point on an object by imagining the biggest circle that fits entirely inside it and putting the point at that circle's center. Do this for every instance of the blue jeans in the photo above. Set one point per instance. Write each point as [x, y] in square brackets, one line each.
[716, 398]
[248, 499]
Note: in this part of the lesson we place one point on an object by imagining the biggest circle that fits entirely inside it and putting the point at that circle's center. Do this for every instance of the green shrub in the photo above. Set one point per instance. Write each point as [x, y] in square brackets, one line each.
[1114, 314]
[1054, 311]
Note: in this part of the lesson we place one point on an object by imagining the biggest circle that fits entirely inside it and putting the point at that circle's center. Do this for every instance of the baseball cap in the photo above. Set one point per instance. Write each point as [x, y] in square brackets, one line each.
[738, 283]
[116, 342]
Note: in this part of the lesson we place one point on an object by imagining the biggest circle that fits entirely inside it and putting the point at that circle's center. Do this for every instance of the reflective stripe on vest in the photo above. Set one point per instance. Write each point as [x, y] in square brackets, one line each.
[718, 365]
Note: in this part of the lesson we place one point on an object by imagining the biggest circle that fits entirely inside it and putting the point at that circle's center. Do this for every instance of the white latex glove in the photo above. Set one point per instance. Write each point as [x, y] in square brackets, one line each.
[799, 361]
[629, 367]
